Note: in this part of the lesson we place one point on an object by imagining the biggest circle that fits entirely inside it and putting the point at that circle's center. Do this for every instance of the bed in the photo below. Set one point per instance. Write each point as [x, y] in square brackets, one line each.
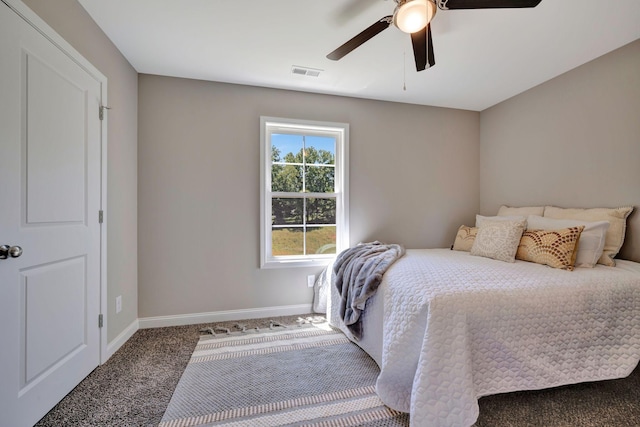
[447, 327]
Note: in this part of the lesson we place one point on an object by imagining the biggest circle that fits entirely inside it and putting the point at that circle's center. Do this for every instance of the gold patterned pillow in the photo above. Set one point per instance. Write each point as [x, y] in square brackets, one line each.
[465, 238]
[555, 248]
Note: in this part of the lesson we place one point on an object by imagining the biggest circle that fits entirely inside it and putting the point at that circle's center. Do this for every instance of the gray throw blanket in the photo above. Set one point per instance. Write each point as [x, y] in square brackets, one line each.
[357, 274]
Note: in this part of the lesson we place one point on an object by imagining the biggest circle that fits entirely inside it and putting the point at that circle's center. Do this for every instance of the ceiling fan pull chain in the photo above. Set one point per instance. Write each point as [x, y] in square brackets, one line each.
[404, 71]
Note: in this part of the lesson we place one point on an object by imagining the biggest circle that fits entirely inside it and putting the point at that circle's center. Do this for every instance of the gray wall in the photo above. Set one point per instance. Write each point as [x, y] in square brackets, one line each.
[413, 180]
[72, 22]
[573, 141]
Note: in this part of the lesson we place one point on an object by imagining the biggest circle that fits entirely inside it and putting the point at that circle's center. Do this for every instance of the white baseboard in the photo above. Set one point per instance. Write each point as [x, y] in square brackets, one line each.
[223, 316]
[124, 336]
[195, 318]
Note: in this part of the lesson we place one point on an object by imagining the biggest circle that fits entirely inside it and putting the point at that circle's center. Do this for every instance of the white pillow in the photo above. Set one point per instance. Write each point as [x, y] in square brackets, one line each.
[498, 239]
[617, 218]
[591, 243]
[519, 218]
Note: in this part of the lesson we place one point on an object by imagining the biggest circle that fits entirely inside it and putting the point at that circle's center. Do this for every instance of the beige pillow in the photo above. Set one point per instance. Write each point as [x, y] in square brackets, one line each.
[465, 238]
[592, 238]
[519, 218]
[498, 239]
[617, 218]
[555, 248]
[524, 211]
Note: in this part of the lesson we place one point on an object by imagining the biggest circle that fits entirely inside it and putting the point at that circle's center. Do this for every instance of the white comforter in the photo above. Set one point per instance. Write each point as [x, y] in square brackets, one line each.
[456, 327]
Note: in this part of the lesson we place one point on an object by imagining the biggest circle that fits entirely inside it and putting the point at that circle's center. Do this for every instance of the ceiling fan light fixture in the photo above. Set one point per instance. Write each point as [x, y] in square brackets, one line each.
[413, 15]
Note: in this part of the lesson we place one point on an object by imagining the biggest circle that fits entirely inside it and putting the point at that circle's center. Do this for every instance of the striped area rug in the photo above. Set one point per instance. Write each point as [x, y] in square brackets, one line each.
[308, 375]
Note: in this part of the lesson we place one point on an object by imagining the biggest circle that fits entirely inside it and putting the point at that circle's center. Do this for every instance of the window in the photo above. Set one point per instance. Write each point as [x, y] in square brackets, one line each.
[304, 183]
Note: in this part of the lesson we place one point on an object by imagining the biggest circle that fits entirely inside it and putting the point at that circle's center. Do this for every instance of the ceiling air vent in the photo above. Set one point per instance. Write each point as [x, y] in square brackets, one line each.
[305, 71]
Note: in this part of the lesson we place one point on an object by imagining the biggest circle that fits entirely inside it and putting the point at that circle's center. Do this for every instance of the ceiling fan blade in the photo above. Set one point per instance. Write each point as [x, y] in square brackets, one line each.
[485, 4]
[361, 38]
[423, 48]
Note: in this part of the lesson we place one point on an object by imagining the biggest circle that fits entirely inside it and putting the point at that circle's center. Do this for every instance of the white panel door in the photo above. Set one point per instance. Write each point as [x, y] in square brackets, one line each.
[49, 203]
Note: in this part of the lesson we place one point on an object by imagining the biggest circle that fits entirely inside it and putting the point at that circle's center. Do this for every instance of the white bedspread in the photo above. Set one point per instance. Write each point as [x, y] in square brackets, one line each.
[456, 327]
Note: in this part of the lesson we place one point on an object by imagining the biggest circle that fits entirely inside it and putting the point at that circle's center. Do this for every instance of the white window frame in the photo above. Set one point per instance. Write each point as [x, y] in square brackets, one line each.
[270, 125]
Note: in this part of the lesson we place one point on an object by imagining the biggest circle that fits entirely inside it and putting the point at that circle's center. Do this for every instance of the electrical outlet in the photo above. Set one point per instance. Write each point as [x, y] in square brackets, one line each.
[311, 279]
[118, 304]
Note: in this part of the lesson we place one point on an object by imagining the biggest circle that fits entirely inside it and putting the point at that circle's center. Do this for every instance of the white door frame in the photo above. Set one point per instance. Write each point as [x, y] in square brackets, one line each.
[43, 28]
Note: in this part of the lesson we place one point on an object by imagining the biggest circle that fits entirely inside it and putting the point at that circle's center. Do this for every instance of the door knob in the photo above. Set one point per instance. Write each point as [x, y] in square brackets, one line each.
[15, 251]
[10, 251]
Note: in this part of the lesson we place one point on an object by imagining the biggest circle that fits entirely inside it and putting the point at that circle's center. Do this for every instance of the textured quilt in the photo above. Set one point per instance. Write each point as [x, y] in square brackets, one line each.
[457, 327]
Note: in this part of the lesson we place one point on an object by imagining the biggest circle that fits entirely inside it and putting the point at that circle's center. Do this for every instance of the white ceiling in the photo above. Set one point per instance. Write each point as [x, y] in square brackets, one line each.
[482, 56]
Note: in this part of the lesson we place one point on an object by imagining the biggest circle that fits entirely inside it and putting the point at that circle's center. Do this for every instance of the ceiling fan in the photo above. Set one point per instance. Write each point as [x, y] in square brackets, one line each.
[414, 17]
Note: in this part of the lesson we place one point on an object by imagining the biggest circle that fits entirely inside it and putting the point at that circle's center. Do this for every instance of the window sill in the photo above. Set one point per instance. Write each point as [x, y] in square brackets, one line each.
[294, 263]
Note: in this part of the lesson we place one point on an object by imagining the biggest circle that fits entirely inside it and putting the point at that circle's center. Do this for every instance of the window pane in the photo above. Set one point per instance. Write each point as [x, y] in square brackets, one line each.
[321, 240]
[320, 179]
[320, 150]
[286, 211]
[321, 211]
[287, 241]
[286, 178]
[286, 148]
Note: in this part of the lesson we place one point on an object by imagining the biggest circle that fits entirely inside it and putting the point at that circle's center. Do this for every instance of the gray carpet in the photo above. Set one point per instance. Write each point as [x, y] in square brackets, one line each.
[135, 386]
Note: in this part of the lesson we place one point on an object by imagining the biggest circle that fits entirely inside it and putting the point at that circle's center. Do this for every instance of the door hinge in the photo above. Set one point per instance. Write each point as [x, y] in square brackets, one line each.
[100, 216]
[101, 111]
[100, 321]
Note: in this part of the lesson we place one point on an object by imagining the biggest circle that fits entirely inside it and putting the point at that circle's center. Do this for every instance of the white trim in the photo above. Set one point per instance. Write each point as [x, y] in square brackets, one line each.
[119, 341]
[294, 126]
[223, 316]
[50, 34]
[104, 306]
